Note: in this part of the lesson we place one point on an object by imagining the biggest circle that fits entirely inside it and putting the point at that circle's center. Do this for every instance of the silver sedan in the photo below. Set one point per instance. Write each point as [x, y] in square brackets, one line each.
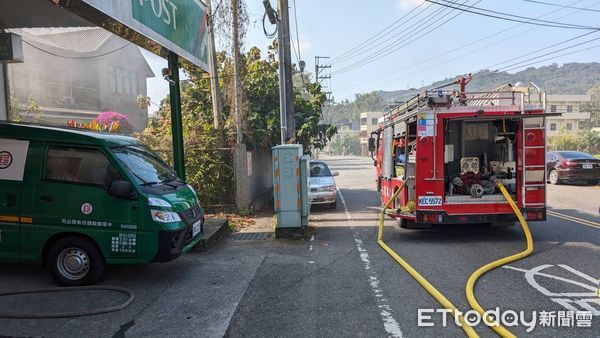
[322, 189]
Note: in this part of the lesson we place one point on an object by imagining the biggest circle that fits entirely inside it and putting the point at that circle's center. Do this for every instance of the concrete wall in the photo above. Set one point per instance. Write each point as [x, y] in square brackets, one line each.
[260, 178]
[253, 178]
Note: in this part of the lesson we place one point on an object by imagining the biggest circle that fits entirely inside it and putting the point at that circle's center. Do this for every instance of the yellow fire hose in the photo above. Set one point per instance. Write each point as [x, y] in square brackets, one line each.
[503, 332]
[500, 330]
[417, 276]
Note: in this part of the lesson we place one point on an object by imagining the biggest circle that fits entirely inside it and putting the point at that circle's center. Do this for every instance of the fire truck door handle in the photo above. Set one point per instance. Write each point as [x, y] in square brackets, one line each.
[46, 198]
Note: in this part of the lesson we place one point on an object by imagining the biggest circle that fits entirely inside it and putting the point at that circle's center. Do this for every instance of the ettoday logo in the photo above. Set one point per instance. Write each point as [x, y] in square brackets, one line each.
[508, 318]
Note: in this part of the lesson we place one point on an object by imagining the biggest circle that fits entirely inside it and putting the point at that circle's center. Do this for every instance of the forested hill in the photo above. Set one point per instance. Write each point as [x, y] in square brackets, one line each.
[570, 78]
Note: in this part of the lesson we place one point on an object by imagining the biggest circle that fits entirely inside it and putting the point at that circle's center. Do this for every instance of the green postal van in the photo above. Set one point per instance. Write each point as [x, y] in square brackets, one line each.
[78, 200]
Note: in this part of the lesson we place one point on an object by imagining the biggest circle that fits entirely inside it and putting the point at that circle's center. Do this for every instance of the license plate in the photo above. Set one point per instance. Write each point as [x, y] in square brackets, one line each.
[430, 201]
[196, 228]
[588, 166]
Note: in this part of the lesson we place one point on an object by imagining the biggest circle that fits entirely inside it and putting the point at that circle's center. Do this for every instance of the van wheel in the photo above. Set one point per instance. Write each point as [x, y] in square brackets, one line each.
[75, 261]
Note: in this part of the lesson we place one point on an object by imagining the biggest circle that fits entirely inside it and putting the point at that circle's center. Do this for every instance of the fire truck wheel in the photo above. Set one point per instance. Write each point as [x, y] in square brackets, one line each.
[553, 177]
[75, 261]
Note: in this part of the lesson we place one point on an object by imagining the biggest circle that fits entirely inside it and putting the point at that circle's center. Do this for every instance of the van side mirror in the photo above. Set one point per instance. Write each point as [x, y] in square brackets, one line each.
[371, 144]
[335, 173]
[121, 189]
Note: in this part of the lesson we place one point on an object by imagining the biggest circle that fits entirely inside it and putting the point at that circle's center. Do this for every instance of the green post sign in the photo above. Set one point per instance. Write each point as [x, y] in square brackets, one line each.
[182, 22]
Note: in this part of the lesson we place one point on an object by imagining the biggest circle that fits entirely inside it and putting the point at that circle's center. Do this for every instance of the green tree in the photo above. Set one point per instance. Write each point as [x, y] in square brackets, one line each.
[209, 169]
[593, 107]
[564, 141]
[348, 144]
[589, 141]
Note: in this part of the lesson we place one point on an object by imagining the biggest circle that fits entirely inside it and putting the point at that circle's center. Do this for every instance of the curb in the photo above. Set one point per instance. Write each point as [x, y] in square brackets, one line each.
[214, 230]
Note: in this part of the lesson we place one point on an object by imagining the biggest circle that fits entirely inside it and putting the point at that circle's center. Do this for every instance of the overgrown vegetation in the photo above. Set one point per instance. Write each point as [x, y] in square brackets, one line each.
[587, 141]
[210, 169]
[347, 144]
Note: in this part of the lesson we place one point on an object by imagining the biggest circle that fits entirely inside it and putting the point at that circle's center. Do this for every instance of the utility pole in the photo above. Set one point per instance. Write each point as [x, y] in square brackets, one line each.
[240, 156]
[322, 74]
[213, 71]
[285, 69]
[237, 84]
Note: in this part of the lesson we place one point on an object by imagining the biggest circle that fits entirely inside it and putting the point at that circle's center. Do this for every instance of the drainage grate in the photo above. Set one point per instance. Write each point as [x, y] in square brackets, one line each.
[251, 236]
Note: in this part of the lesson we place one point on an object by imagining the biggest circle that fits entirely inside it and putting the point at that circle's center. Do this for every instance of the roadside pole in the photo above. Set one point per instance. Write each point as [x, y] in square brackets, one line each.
[176, 124]
[214, 80]
[240, 160]
[285, 72]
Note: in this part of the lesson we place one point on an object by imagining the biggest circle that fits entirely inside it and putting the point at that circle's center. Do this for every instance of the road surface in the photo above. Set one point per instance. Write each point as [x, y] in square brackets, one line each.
[339, 282]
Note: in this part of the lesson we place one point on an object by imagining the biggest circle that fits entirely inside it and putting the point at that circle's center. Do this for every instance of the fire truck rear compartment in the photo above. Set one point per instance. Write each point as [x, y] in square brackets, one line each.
[476, 152]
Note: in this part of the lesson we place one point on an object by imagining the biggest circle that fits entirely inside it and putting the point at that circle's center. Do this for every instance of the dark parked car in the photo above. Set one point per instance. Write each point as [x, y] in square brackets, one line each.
[572, 166]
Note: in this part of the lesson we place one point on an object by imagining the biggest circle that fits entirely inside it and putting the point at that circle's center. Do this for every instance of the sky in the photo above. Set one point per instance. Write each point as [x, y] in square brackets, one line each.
[400, 44]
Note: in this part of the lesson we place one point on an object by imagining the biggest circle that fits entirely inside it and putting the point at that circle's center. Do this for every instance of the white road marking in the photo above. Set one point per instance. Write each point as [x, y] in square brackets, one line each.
[572, 301]
[389, 322]
[310, 248]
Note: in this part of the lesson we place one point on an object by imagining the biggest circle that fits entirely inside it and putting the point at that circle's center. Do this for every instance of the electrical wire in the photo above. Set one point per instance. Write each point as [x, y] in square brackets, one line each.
[297, 34]
[382, 53]
[268, 35]
[551, 4]
[403, 34]
[511, 17]
[365, 44]
[461, 48]
[75, 57]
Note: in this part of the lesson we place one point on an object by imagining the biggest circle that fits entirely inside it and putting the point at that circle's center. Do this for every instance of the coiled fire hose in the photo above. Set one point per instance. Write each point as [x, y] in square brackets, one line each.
[500, 330]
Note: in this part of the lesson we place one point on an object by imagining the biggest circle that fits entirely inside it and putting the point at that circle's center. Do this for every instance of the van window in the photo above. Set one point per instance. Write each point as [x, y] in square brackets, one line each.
[79, 165]
[147, 167]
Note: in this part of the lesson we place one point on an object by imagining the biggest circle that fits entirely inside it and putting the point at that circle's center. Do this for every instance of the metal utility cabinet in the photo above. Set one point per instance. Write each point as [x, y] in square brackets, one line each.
[290, 182]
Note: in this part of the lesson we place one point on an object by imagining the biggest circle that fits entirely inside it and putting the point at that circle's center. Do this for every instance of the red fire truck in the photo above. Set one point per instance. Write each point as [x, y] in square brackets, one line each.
[451, 146]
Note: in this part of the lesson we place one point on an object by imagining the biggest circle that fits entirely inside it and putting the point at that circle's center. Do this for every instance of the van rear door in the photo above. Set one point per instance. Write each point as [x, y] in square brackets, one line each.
[13, 155]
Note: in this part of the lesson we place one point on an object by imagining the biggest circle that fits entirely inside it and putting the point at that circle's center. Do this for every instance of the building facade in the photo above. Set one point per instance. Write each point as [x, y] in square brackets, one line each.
[77, 73]
[368, 123]
[572, 119]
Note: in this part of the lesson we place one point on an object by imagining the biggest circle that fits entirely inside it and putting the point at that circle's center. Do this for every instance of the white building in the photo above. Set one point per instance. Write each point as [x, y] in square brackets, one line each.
[368, 123]
[571, 120]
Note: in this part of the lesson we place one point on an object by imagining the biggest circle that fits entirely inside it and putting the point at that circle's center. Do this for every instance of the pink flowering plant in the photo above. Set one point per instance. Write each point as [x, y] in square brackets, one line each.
[108, 117]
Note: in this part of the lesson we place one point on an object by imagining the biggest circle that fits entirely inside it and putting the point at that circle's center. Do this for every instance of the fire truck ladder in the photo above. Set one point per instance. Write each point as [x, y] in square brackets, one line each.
[533, 161]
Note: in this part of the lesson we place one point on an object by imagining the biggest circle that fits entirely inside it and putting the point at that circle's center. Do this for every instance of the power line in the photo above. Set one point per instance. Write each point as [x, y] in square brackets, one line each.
[386, 43]
[511, 17]
[461, 48]
[551, 4]
[297, 35]
[365, 44]
[382, 53]
[520, 64]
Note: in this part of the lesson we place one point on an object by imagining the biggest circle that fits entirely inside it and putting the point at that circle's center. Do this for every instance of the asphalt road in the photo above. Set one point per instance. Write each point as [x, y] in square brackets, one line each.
[338, 282]
[351, 287]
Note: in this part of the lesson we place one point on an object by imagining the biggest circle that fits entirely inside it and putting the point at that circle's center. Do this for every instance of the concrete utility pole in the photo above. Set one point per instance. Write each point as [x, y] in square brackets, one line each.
[240, 156]
[237, 84]
[285, 68]
[212, 64]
